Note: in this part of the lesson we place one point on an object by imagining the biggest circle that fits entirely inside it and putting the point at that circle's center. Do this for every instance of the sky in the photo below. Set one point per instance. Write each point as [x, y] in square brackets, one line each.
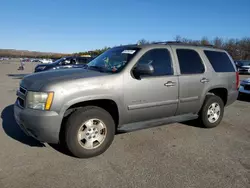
[69, 26]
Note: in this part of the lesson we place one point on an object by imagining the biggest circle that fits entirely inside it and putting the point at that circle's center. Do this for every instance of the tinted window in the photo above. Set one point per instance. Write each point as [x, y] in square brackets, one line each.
[83, 60]
[190, 62]
[220, 61]
[161, 61]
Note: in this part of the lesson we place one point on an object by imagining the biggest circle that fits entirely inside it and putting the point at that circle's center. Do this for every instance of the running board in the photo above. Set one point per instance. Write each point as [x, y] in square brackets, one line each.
[155, 123]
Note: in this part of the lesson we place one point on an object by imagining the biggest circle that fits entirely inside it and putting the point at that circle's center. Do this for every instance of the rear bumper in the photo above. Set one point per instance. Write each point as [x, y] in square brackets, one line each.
[41, 125]
[232, 97]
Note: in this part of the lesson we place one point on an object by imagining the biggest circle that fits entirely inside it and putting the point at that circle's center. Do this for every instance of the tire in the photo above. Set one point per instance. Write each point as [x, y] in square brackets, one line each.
[81, 122]
[210, 121]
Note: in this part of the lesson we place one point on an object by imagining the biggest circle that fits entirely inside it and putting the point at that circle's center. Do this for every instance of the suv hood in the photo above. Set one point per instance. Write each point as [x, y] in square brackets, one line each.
[36, 81]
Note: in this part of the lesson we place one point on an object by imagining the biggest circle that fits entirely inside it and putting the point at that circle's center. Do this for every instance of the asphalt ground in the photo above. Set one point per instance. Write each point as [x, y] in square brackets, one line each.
[173, 155]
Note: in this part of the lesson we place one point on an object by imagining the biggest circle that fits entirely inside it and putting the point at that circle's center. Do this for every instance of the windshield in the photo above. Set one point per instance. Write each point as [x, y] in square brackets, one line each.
[113, 60]
[244, 63]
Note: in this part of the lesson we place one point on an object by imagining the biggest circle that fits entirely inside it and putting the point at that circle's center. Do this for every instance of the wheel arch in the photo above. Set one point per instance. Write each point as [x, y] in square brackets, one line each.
[107, 103]
[219, 90]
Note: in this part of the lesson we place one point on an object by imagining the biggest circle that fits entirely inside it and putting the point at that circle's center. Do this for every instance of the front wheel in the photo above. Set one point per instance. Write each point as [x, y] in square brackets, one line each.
[89, 132]
[212, 111]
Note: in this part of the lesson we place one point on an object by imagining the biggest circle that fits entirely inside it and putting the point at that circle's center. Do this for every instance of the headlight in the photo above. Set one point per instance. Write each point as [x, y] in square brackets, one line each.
[39, 100]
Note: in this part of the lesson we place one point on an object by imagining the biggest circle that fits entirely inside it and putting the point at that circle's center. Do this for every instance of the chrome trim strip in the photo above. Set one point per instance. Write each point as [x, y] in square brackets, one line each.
[152, 104]
[189, 99]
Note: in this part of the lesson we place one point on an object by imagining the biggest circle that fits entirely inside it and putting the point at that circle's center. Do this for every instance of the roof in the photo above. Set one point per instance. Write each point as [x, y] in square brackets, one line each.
[173, 43]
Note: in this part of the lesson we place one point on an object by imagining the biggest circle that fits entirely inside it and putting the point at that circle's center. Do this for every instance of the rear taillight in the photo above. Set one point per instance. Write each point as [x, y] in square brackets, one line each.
[237, 80]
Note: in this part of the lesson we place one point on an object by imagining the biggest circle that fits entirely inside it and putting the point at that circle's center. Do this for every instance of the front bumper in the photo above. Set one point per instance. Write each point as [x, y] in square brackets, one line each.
[41, 125]
[243, 90]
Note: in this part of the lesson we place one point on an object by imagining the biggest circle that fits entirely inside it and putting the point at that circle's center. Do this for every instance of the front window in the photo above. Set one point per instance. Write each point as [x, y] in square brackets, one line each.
[113, 60]
[160, 59]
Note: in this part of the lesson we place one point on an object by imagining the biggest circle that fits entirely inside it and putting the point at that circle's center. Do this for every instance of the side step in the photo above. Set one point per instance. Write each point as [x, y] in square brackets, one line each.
[155, 123]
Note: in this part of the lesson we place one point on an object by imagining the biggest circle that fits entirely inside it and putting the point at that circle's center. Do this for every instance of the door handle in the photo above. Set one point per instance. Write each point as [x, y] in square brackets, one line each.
[204, 80]
[169, 84]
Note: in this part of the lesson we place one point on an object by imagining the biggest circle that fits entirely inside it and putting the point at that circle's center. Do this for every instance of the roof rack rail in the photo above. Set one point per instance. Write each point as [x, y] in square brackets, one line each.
[183, 43]
[166, 42]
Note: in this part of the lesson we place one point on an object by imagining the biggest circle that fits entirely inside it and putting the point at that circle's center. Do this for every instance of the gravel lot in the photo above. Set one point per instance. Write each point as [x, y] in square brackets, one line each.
[173, 155]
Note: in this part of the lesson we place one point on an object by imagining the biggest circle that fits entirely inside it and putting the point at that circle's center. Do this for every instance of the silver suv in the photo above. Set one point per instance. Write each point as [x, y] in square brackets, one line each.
[83, 108]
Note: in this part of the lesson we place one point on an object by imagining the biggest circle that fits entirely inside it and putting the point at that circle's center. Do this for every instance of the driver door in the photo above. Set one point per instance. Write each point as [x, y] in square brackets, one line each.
[153, 96]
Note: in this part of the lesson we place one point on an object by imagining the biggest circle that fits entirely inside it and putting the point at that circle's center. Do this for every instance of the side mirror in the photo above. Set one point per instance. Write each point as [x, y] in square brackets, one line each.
[143, 69]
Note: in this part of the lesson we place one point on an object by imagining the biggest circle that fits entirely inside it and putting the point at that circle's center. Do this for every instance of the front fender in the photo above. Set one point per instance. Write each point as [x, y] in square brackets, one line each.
[74, 101]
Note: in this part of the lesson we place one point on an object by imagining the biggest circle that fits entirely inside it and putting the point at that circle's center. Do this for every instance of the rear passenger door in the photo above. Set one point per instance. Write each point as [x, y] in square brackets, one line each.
[193, 78]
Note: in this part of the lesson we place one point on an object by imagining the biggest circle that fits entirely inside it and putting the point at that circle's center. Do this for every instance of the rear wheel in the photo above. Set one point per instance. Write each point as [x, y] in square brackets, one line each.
[212, 111]
[89, 132]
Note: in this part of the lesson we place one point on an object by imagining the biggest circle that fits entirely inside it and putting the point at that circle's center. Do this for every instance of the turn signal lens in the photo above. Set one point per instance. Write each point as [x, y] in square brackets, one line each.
[49, 100]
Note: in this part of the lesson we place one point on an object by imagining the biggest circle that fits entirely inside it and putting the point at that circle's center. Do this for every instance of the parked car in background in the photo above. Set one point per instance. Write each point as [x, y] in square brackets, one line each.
[26, 60]
[36, 61]
[4, 58]
[243, 66]
[46, 60]
[245, 87]
[83, 108]
[64, 63]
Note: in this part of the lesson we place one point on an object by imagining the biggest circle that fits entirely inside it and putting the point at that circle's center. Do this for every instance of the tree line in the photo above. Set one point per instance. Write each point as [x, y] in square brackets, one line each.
[239, 49]
[29, 54]
[93, 52]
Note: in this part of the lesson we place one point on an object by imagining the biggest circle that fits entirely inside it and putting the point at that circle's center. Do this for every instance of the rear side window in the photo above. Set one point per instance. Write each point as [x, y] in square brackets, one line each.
[219, 61]
[190, 61]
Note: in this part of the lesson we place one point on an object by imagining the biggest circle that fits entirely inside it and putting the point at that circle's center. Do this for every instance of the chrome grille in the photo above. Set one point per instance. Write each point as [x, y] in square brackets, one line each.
[22, 90]
[20, 102]
[21, 96]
